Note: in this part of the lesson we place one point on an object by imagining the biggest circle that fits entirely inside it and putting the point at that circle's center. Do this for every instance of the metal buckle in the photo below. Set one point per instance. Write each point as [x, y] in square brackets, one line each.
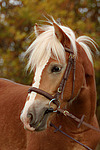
[71, 56]
[59, 90]
[65, 112]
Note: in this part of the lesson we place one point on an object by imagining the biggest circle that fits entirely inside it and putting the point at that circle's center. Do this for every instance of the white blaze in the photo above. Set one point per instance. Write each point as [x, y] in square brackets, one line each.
[32, 95]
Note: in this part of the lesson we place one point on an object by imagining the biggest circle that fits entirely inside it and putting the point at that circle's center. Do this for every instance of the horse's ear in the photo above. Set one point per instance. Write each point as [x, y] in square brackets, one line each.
[61, 36]
[38, 30]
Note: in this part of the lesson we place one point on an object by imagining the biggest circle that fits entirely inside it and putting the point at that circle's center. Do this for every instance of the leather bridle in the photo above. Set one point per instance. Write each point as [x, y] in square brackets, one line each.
[59, 95]
[60, 90]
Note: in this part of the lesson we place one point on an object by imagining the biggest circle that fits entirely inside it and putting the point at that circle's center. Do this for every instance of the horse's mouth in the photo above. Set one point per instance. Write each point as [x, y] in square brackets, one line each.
[41, 124]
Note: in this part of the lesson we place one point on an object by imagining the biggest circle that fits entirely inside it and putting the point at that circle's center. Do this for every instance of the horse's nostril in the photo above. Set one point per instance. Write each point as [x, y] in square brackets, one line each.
[30, 116]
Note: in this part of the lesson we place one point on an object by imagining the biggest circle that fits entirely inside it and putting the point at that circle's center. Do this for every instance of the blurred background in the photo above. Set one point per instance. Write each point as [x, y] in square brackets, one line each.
[17, 20]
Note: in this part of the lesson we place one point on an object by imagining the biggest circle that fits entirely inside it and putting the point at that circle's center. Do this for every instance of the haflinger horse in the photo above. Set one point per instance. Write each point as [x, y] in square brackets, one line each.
[64, 79]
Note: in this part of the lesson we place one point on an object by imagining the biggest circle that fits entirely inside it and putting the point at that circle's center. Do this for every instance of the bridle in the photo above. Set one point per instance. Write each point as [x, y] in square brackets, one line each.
[71, 63]
[60, 90]
[59, 95]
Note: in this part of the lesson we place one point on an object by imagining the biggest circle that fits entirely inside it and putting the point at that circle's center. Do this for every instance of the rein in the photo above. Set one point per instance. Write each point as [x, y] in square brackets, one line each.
[59, 129]
[59, 94]
[80, 121]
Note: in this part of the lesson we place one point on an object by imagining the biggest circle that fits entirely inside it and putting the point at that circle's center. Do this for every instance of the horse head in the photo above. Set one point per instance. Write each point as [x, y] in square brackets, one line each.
[53, 51]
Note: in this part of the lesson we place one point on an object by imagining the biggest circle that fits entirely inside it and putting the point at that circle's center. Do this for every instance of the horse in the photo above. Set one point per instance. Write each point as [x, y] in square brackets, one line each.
[64, 79]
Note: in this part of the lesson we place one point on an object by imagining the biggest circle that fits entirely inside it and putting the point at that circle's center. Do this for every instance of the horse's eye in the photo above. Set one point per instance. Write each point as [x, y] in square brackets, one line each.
[56, 69]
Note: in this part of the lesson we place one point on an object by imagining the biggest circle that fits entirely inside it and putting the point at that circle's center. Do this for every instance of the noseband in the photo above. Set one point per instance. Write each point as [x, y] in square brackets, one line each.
[60, 90]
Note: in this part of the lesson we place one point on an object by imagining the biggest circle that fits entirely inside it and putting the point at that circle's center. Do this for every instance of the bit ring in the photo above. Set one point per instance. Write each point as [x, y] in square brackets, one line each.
[52, 101]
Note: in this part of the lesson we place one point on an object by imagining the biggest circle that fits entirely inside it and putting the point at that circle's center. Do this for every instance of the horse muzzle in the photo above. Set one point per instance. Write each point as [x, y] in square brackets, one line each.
[40, 123]
[36, 121]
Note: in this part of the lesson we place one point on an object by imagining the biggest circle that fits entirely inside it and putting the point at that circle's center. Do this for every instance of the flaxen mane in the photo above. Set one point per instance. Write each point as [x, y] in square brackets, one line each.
[47, 45]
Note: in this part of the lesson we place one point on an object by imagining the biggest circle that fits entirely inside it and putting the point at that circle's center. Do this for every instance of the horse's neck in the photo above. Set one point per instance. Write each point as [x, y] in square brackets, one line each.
[85, 103]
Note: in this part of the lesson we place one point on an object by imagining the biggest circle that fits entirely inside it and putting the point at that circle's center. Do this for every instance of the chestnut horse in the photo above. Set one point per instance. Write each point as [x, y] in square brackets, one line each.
[49, 57]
